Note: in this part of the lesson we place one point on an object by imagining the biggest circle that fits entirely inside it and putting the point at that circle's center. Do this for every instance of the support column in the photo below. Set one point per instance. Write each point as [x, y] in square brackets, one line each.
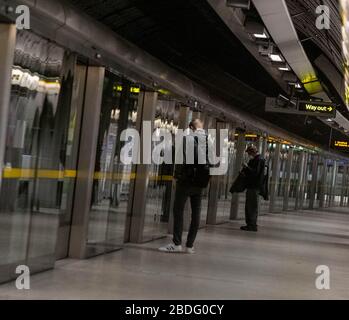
[322, 190]
[7, 49]
[333, 184]
[275, 177]
[288, 178]
[146, 112]
[299, 196]
[304, 181]
[344, 185]
[240, 150]
[347, 187]
[313, 184]
[86, 165]
[214, 184]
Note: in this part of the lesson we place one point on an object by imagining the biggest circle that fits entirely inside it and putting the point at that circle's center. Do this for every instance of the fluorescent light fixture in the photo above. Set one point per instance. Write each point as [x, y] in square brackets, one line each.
[260, 35]
[275, 57]
[286, 68]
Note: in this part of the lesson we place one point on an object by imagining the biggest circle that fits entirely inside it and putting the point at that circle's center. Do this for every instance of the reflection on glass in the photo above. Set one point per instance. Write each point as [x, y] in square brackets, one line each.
[112, 178]
[160, 185]
[225, 182]
[34, 187]
[281, 180]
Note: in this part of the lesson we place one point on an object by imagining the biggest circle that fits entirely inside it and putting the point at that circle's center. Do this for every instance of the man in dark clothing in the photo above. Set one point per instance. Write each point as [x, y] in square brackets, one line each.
[254, 172]
[191, 180]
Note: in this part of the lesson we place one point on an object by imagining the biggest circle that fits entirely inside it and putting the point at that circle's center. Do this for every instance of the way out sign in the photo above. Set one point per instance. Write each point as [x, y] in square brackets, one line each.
[318, 109]
[304, 108]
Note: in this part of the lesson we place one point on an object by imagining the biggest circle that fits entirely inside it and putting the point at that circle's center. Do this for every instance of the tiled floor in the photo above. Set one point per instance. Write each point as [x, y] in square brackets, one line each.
[279, 262]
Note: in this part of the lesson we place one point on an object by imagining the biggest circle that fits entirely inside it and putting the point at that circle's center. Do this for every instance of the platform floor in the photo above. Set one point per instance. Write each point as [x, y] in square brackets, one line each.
[279, 262]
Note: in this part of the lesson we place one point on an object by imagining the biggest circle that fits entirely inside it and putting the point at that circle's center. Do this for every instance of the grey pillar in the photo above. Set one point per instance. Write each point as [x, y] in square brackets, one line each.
[7, 48]
[333, 183]
[347, 186]
[86, 164]
[344, 185]
[313, 183]
[322, 190]
[146, 112]
[214, 184]
[304, 181]
[288, 178]
[240, 150]
[275, 178]
[299, 196]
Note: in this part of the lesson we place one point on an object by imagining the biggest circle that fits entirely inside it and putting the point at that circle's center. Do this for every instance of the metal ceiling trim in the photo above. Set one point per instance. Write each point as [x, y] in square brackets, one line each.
[332, 74]
[278, 21]
[64, 24]
[234, 20]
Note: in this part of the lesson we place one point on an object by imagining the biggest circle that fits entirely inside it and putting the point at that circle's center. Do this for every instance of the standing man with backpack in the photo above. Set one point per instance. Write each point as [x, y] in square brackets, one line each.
[256, 184]
[192, 178]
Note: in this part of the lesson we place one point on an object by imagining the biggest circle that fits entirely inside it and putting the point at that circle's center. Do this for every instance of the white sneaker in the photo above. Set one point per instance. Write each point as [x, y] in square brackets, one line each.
[190, 250]
[171, 248]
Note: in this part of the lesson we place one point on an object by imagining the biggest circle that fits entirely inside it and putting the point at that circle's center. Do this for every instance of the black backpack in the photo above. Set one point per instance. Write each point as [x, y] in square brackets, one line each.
[197, 175]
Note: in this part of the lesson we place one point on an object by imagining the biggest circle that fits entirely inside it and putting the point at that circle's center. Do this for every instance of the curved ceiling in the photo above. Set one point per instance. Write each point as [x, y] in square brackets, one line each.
[190, 37]
[328, 41]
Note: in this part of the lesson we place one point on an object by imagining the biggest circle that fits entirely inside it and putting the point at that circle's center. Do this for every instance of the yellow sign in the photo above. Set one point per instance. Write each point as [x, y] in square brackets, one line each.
[327, 109]
[341, 144]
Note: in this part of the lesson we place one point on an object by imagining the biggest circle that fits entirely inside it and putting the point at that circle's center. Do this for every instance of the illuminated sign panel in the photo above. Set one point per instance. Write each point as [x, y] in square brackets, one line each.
[342, 144]
[283, 104]
[317, 108]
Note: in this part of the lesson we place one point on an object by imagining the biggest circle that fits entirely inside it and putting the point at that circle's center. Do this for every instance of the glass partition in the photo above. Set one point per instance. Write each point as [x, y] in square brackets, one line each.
[338, 185]
[281, 181]
[112, 178]
[328, 187]
[265, 205]
[160, 185]
[320, 168]
[295, 179]
[225, 182]
[37, 174]
[308, 178]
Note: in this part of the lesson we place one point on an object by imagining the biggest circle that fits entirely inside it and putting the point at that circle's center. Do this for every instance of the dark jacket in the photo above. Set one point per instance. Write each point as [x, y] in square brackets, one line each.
[254, 173]
[191, 172]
